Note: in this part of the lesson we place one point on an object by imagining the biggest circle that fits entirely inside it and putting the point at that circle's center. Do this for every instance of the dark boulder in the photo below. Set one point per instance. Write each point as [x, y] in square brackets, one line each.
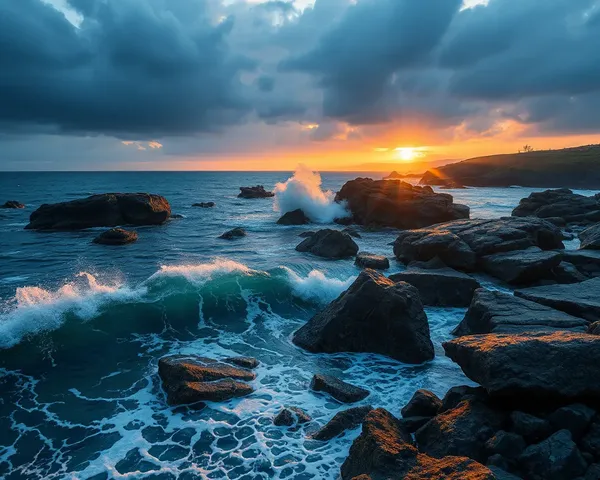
[509, 445]
[374, 315]
[492, 311]
[257, 191]
[329, 243]
[556, 458]
[353, 232]
[567, 273]
[579, 299]
[397, 204]
[444, 287]
[291, 416]
[561, 203]
[12, 204]
[423, 403]
[587, 262]
[342, 421]
[412, 424]
[244, 362]
[295, 217]
[538, 365]
[457, 394]
[310, 233]
[521, 266]
[338, 389]
[594, 328]
[576, 418]
[591, 441]
[590, 238]
[370, 260]
[237, 232]
[189, 379]
[531, 428]
[116, 236]
[204, 204]
[104, 210]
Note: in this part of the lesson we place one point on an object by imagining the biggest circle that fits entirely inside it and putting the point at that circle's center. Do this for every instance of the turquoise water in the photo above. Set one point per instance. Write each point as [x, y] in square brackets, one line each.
[82, 327]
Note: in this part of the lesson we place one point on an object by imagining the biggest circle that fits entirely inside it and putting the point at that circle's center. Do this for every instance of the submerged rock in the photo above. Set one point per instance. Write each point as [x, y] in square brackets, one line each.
[295, 217]
[370, 260]
[291, 416]
[590, 237]
[116, 236]
[237, 232]
[560, 203]
[342, 421]
[329, 243]
[373, 315]
[398, 204]
[12, 204]
[244, 362]
[204, 204]
[104, 210]
[352, 232]
[257, 191]
[338, 389]
[521, 266]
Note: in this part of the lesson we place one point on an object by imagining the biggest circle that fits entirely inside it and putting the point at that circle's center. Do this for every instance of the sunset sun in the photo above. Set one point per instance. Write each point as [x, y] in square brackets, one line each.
[406, 154]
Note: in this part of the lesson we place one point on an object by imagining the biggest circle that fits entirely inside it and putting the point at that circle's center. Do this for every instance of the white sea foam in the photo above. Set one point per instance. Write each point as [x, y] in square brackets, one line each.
[316, 286]
[202, 272]
[303, 190]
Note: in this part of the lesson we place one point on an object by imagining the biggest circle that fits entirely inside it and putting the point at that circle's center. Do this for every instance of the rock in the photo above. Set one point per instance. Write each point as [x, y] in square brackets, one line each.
[509, 445]
[556, 458]
[244, 362]
[116, 236]
[492, 311]
[370, 260]
[463, 431]
[587, 262]
[594, 328]
[397, 204]
[176, 216]
[580, 299]
[527, 363]
[412, 424]
[530, 427]
[590, 237]
[12, 204]
[502, 474]
[422, 404]
[521, 266]
[591, 441]
[434, 264]
[460, 244]
[338, 389]
[189, 379]
[237, 232]
[374, 315]
[329, 243]
[593, 472]
[255, 192]
[384, 451]
[295, 217]
[310, 233]
[204, 204]
[457, 394]
[576, 418]
[291, 416]
[352, 232]
[104, 210]
[444, 287]
[568, 273]
[499, 461]
[342, 421]
[562, 203]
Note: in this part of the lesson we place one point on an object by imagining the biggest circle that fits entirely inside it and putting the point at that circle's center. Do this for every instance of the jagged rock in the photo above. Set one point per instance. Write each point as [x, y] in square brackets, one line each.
[591, 441]
[244, 362]
[492, 311]
[412, 424]
[257, 191]
[204, 204]
[12, 204]
[104, 210]
[398, 204]
[594, 328]
[423, 403]
[291, 416]
[338, 389]
[556, 458]
[586, 262]
[116, 236]
[536, 365]
[374, 315]
[576, 418]
[295, 217]
[370, 260]
[521, 266]
[352, 232]
[342, 421]
[444, 287]
[457, 394]
[580, 299]
[509, 445]
[562, 203]
[590, 237]
[176, 216]
[237, 232]
[329, 243]
[189, 379]
[568, 273]
[530, 427]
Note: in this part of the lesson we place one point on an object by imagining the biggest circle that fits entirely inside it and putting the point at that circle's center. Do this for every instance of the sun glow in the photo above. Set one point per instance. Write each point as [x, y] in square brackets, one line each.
[406, 154]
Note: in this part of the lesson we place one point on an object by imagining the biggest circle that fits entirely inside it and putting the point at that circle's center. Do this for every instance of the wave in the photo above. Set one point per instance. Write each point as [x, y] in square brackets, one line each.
[303, 191]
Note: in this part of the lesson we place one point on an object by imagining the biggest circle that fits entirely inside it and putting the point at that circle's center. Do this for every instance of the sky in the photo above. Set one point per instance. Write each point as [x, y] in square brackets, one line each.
[270, 84]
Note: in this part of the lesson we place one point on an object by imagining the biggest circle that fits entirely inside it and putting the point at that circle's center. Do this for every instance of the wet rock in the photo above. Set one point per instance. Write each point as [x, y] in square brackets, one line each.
[370, 260]
[257, 191]
[423, 403]
[576, 418]
[412, 424]
[590, 238]
[457, 394]
[237, 232]
[530, 427]
[307, 234]
[509, 445]
[244, 362]
[556, 458]
[116, 236]
[12, 204]
[537, 365]
[580, 299]
[291, 416]
[338, 389]
[501, 474]
[104, 210]
[204, 204]
[329, 243]
[521, 266]
[398, 204]
[591, 441]
[189, 379]
[295, 217]
[176, 216]
[587, 262]
[499, 461]
[342, 421]
[568, 273]
[562, 203]
[594, 328]
[353, 232]
[493, 311]
[374, 315]
[444, 287]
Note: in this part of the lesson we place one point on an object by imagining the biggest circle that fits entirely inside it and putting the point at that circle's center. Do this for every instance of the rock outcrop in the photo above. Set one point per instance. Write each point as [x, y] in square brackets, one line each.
[342, 421]
[295, 217]
[290, 417]
[590, 237]
[560, 203]
[237, 232]
[370, 260]
[374, 315]
[338, 389]
[329, 243]
[257, 191]
[204, 204]
[116, 236]
[12, 204]
[397, 204]
[522, 266]
[104, 210]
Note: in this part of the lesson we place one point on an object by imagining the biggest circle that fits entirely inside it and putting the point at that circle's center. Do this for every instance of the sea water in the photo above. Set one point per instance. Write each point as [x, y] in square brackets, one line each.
[82, 327]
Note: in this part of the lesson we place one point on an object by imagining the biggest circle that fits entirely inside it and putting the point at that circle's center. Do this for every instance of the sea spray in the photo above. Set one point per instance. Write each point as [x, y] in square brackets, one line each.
[303, 191]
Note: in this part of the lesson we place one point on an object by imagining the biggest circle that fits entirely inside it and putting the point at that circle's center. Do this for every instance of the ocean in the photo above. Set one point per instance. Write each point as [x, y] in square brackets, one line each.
[82, 327]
